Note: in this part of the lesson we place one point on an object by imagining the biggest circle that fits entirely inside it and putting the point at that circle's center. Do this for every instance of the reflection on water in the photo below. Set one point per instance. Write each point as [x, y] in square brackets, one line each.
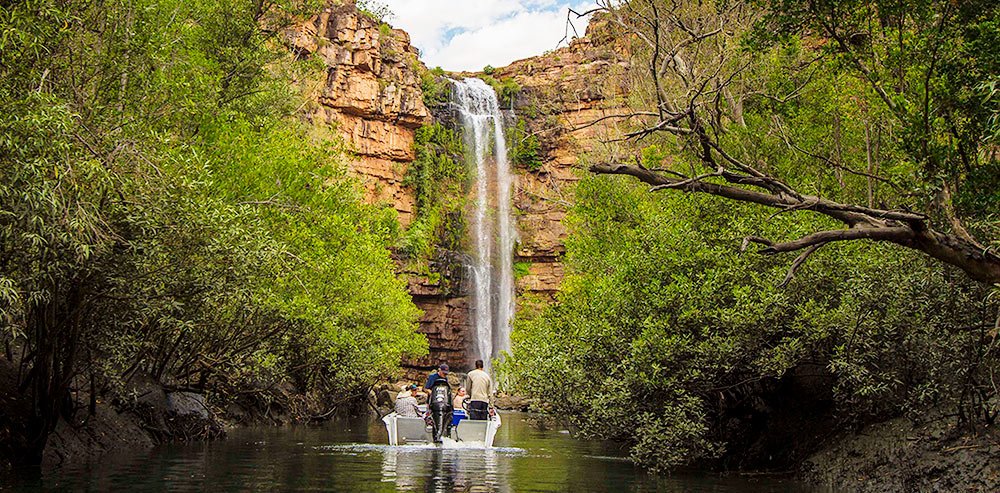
[351, 456]
[427, 469]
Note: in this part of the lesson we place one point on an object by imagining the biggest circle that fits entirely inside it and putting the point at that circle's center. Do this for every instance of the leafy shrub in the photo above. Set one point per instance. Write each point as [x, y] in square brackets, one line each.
[659, 316]
[434, 85]
[506, 88]
[174, 218]
[437, 177]
[525, 148]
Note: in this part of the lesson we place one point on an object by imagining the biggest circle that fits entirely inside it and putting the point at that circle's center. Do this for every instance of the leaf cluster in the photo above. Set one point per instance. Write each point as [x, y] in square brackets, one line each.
[164, 214]
[668, 338]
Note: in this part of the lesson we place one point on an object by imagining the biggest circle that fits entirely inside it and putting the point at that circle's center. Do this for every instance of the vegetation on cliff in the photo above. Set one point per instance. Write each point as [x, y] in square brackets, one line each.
[164, 215]
[438, 177]
[800, 127]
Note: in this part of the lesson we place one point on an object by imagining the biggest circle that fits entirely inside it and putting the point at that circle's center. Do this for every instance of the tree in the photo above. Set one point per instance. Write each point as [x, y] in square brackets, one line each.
[164, 213]
[727, 81]
[669, 341]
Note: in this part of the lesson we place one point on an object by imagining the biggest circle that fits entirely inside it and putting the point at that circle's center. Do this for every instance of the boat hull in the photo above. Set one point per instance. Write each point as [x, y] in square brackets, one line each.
[406, 430]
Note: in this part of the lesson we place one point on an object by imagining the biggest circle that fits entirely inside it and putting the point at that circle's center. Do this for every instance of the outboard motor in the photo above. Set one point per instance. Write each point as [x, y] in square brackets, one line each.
[441, 408]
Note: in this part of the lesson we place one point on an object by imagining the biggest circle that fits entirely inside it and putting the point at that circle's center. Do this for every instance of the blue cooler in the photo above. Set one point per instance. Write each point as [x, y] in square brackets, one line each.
[457, 415]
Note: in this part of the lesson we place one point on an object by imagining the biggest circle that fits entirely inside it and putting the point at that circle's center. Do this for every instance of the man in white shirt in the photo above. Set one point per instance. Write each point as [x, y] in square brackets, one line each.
[480, 387]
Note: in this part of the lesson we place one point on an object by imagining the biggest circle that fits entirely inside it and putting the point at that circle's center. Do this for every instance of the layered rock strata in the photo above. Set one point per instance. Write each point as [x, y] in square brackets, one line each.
[371, 97]
[569, 99]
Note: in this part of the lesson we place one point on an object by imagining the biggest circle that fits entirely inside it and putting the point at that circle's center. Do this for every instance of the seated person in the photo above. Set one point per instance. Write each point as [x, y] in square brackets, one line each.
[459, 397]
[406, 403]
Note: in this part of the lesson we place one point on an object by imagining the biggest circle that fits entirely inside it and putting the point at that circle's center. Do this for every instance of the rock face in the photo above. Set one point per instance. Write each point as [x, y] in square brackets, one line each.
[569, 100]
[443, 297]
[371, 97]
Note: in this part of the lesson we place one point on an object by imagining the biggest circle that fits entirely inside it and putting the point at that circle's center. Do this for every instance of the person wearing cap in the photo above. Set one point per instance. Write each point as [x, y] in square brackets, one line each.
[439, 402]
[406, 402]
[441, 373]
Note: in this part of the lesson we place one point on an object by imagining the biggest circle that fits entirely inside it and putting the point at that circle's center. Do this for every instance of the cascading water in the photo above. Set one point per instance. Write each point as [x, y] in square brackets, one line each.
[492, 223]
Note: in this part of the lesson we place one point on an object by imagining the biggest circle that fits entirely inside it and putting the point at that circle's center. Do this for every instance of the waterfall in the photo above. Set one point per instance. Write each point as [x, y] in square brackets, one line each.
[492, 222]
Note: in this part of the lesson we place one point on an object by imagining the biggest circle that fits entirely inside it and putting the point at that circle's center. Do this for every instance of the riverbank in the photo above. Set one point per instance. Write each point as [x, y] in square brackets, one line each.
[899, 455]
[143, 414]
[893, 456]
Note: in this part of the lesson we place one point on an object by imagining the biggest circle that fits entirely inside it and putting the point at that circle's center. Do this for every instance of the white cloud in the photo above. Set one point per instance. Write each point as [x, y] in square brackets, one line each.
[470, 34]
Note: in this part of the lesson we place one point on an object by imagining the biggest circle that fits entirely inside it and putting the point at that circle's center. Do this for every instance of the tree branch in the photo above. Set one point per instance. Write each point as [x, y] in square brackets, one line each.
[895, 234]
[900, 227]
[798, 263]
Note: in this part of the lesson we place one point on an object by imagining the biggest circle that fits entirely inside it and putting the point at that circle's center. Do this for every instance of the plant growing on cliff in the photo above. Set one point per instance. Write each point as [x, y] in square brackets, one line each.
[434, 85]
[438, 179]
[376, 10]
[525, 148]
[506, 89]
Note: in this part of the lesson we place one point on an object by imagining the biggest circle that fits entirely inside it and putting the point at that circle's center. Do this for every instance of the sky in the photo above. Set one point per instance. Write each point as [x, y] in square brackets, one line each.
[468, 35]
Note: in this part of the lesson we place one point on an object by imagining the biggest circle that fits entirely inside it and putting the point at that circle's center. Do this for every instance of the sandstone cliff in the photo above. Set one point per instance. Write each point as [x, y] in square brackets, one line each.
[372, 98]
[568, 99]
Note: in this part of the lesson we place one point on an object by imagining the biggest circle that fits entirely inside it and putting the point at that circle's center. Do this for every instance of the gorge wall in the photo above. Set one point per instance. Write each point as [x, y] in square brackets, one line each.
[372, 98]
[565, 100]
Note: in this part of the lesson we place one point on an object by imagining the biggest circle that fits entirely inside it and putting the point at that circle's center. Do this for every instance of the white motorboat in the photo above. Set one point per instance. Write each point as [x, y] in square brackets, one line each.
[470, 432]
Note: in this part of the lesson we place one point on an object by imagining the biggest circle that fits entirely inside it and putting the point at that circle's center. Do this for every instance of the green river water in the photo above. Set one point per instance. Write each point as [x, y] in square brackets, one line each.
[351, 456]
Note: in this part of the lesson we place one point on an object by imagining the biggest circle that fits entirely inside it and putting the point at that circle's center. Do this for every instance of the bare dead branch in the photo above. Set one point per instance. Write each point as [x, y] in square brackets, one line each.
[662, 126]
[625, 116]
[688, 181]
[790, 209]
[895, 234]
[798, 263]
[754, 239]
[690, 59]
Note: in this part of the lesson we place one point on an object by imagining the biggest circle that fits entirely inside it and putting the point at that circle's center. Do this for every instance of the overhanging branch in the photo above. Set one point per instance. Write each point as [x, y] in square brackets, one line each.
[904, 228]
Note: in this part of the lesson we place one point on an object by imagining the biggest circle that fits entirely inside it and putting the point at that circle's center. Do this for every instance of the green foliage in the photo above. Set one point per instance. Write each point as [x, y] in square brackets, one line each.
[521, 269]
[667, 338]
[660, 314]
[438, 178]
[385, 32]
[162, 212]
[434, 85]
[506, 88]
[525, 148]
[923, 73]
[489, 70]
[991, 100]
